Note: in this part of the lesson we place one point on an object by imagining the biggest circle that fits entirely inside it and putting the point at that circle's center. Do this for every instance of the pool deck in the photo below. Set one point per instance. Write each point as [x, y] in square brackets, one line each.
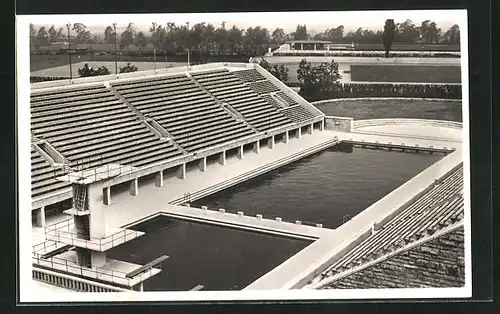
[151, 200]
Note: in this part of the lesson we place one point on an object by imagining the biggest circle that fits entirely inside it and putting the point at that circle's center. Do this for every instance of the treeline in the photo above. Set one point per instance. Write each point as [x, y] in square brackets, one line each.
[207, 38]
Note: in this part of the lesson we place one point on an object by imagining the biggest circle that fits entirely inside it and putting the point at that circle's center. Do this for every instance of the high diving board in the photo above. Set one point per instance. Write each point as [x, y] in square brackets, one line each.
[96, 174]
[146, 267]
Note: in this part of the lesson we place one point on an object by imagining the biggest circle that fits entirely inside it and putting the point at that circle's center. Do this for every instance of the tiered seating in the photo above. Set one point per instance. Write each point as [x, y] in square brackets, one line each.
[443, 205]
[273, 102]
[90, 126]
[43, 175]
[228, 88]
[185, 110]
[250, 75]
[439, 262]
[298, 113]
[263, 87]
[288, 99]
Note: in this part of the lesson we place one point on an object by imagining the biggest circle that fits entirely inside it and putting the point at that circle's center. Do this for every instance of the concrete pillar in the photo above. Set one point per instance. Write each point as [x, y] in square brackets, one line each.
[222, 158]
[159, 179]
[134, 187]
[256, 147]
[240, 152]
[299, 132]
[181, 172]
[106, 195]
[40, 217]
[301, 46]
[203, 164]
[286, 137]
[310, 129]
[270, 142]
[141, 286]
[322, 125]
[98, 258]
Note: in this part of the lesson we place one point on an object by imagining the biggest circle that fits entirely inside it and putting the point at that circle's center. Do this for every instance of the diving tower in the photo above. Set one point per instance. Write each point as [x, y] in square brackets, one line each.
[78, 245]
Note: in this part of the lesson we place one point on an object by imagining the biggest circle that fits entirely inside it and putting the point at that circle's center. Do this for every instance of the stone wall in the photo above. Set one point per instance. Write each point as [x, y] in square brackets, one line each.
[437, 263]
[338, 123]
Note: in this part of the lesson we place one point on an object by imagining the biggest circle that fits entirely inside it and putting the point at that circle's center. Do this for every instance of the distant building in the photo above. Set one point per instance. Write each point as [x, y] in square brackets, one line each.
[308, 44]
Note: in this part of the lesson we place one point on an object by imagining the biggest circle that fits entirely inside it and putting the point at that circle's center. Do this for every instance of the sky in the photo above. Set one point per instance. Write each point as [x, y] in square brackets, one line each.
[315, 21]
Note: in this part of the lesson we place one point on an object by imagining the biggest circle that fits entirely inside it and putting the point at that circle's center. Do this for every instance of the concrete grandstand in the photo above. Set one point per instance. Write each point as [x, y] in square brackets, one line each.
[144, 124]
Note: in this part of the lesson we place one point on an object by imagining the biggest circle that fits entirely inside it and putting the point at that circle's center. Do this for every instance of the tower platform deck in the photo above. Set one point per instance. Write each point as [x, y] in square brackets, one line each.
[113, 271]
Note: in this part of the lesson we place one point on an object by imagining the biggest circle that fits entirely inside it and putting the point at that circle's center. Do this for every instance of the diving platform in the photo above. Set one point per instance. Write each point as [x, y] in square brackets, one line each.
[111, 272]
[65, 232]
[93, 175]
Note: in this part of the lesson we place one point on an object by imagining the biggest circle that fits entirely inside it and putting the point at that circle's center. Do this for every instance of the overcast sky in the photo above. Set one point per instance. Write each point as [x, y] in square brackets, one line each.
[315, 21]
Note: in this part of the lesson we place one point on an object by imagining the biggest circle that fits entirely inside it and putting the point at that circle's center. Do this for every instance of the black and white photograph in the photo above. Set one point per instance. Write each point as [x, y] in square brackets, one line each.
[244, 156]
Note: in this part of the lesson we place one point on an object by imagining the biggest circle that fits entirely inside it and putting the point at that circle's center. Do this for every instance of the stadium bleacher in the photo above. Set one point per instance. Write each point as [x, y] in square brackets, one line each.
[227, 87]
[43, 175]
[250, 75]
[297, 113]
[90, 126]
[440, 207]
[193, 118]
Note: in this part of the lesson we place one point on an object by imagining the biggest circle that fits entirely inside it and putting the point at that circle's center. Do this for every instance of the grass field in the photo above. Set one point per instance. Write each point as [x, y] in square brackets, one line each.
[403, 73]
[394, 108]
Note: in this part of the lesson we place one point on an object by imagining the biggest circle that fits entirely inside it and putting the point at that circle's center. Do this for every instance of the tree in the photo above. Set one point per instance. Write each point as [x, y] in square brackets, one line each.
[278, 71]
[235, 39]
[452, 36]
[82, 34]
[42, 38]
[109, 35]
[128, 68]
[87, 71]
[278, 36]
[301, 33]
[317, 79]
[388, 35]
[141, 40]
[407, 32]
[52, 34]
[127, 37]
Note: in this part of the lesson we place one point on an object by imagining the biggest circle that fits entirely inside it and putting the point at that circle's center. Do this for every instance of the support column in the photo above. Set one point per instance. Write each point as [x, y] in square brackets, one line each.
[98, 259]
[322, 125]
[240, 152]
[159, 179]
[203, 164]
[141, 286]
[222, 158]
[310, 129]
[256, 147]
[134, 187]
[299, 132]
[106, 195]
[286, 137]
[181, 172]
[40, 217]
[270, 142]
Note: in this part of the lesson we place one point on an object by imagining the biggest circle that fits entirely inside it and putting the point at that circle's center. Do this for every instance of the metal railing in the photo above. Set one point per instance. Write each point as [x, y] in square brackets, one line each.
[72, 282]
[80, 239]
[100, 273]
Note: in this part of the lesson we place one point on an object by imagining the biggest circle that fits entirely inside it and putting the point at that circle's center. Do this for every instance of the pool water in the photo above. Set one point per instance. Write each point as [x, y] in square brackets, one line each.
[327, 187]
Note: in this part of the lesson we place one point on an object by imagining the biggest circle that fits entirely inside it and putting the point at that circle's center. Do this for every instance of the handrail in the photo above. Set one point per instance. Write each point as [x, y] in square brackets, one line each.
[68, 224]
[99, 272]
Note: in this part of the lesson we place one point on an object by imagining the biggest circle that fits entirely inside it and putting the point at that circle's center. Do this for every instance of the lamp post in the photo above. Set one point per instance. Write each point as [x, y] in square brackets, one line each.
[116, 53]
[188, 56]
[69, 53]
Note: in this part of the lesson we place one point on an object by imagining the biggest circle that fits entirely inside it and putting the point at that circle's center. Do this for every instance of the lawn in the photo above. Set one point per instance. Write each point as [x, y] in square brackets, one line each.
[405, 73]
